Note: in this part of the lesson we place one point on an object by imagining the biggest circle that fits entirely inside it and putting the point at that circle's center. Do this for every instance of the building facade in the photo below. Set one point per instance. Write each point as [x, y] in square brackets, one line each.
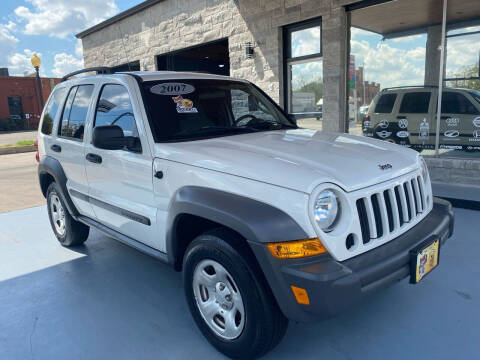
[20, 101]
[300, 51]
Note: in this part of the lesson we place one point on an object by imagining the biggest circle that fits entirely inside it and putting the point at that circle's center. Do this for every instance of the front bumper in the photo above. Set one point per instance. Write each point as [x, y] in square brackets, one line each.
[334, 286]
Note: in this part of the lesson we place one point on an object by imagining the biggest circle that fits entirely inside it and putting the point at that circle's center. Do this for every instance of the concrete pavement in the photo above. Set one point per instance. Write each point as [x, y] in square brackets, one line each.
[14, 137]
[107, 301]
[19, 182]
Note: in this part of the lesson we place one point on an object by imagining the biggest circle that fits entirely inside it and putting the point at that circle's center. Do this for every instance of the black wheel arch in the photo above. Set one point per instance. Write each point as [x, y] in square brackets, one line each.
[50, 170]
[200, 209]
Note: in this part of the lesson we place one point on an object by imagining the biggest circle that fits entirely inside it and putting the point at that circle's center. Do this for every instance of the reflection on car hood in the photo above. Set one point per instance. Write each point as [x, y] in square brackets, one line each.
[297, 159]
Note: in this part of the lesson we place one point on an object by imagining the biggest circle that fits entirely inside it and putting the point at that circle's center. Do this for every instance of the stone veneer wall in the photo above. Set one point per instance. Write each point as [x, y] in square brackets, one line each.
[175, 24]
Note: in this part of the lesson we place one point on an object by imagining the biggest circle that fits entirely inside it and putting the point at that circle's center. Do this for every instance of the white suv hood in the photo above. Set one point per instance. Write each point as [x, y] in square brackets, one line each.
[297, 159]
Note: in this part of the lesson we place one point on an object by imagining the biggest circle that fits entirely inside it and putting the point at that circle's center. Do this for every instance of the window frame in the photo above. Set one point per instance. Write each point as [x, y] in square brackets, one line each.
[59, 129]
[288, 60]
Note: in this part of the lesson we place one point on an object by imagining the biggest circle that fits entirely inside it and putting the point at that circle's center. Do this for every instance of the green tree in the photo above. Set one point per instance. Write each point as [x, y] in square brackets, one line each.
[470, 71]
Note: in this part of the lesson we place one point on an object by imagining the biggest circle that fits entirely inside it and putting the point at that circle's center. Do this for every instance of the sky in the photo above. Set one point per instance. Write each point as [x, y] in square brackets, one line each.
[401, 61]
[48, 27]
[395, 62]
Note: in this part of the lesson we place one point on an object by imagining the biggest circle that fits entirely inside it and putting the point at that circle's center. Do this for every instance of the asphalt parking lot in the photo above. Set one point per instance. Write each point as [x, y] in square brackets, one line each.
[107, 301]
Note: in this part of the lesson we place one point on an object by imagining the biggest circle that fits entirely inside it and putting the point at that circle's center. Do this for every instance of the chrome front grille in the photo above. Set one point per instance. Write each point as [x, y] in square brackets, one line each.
[390, 209]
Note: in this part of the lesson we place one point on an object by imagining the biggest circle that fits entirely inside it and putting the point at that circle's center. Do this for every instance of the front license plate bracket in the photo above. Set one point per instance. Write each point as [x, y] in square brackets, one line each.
[424, 258]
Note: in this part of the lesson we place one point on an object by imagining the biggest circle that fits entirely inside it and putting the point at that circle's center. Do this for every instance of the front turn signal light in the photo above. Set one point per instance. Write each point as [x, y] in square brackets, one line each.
[301, 295]
[296, 249]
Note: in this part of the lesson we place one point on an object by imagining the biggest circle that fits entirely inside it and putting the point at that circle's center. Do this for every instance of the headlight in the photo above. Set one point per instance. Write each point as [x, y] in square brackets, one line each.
[326, 210]
[424, 170]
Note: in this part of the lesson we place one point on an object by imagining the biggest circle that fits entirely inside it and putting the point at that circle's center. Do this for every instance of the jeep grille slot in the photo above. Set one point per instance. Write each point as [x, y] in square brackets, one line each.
[362, 215]
[378, 215]
[391, 208]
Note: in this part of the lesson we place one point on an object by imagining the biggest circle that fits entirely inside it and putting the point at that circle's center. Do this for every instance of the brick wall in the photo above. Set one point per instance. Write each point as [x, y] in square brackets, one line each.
[25, 88]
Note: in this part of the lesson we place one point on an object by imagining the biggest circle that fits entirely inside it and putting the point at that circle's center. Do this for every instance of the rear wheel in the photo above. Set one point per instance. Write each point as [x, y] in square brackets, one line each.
[229, 298]
[68, 231]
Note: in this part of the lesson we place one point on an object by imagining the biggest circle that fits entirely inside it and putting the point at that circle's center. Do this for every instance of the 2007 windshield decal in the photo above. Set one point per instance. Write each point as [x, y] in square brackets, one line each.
[172, 88]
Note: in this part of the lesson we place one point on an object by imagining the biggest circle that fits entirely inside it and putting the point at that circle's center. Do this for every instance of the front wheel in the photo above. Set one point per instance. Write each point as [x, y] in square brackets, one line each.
[228, 297]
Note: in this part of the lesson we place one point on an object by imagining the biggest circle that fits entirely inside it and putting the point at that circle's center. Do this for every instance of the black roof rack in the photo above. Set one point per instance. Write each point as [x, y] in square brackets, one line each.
[410, 86]
[98, 70]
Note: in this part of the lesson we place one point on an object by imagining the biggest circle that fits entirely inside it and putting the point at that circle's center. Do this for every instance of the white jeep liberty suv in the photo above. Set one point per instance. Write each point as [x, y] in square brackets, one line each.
[269, 222]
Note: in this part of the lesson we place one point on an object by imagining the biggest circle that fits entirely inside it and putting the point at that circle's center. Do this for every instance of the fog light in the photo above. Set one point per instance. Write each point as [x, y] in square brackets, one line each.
[301, 295]
[296, 249]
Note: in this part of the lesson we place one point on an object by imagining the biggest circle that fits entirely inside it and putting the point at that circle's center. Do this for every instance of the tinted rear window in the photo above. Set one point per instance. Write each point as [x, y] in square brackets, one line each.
[415, 103]
[385, 103]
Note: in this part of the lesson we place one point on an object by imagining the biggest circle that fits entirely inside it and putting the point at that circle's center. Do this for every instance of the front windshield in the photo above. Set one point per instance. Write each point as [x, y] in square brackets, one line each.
[197, 109]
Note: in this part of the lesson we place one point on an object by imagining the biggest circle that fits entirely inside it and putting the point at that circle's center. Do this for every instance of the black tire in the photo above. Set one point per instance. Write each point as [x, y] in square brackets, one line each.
[264, 325]
[76, 233]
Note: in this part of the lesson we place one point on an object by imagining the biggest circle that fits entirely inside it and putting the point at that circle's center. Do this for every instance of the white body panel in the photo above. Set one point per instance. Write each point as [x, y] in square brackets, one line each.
[283, 168]
[124, 180]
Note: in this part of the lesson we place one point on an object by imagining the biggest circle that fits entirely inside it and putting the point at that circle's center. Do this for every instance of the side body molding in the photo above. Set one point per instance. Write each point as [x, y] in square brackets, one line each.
[52, 167]
[254, 220]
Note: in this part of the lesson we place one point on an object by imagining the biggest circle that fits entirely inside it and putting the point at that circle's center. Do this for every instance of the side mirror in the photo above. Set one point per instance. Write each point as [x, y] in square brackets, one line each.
[109, 137]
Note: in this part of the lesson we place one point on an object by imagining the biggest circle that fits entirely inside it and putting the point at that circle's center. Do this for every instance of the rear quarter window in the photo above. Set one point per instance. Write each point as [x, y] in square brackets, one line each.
[51, 110]
[385, 103]
[415, 103]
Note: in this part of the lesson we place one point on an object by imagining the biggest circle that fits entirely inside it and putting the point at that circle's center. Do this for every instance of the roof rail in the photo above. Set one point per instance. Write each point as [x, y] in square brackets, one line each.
[98, 70]
[410, 86]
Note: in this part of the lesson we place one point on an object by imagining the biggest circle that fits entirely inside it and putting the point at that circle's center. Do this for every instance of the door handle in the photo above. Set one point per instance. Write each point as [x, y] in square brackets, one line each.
[444, 117]
[56, 148]
[94, 158]
[401, 117]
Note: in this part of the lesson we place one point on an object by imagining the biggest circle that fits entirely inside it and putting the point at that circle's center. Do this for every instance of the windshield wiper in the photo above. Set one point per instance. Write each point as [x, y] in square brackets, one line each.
[268, 125]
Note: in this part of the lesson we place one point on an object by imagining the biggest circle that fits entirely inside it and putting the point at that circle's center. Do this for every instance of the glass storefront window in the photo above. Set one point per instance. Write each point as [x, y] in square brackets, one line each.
[460, 117]
[304, 73]
[395, 71]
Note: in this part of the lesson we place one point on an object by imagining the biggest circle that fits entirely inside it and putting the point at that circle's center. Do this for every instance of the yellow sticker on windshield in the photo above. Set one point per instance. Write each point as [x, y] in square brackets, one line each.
[184, 105]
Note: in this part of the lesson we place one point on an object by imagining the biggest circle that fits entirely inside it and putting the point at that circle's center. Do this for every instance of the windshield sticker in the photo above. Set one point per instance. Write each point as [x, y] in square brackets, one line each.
[172, 88]
[184, 105]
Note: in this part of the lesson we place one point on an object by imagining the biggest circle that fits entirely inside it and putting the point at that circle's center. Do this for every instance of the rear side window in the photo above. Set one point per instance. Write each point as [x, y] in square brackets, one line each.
[51, 110]
[415, 103]
[385, 103]
[114, 108]
[75, 111]
[455, 103]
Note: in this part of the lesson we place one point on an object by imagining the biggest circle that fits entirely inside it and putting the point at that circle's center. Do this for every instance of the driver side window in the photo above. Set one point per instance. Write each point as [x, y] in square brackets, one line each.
[114, 108]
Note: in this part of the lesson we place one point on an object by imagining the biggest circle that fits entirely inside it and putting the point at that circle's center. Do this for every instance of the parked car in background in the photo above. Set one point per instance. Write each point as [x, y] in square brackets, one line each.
[407, 116]
[362, 111]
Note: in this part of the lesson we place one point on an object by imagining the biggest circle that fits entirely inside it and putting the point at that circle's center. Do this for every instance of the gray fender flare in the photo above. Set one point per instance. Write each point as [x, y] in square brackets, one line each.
[52, 167]
[254, 220]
